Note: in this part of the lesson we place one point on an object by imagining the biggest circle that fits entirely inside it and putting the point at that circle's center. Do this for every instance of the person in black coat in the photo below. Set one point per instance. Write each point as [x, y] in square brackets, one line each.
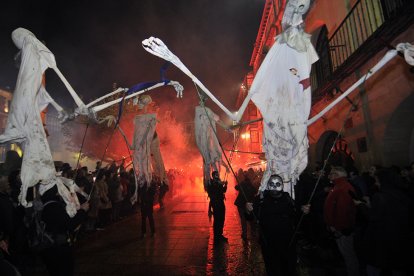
[59, 258]
[388, 237]
[246, 193]
[216, 190]
[275, 211]
[6, 229]
[147, 195]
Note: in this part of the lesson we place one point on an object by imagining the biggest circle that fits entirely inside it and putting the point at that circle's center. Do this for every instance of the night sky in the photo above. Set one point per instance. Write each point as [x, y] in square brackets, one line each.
[97, 43]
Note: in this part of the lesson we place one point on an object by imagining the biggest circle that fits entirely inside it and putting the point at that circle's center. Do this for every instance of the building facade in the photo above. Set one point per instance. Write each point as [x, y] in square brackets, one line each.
[374, 124]
[5, 99]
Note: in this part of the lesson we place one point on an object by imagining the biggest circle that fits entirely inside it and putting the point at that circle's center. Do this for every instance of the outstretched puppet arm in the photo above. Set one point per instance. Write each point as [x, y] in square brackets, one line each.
[388, 56]
[178, 87]
[156, 47]
[72, 92]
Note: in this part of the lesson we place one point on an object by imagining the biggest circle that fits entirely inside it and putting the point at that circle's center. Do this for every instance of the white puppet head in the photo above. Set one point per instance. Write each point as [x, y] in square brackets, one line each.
[22, 37]
[143, 101]
[294, 11]
[19, 35]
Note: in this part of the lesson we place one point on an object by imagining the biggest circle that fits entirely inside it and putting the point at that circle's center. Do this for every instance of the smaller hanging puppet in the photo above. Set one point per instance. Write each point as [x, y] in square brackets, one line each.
[147, 155]
[205, 121]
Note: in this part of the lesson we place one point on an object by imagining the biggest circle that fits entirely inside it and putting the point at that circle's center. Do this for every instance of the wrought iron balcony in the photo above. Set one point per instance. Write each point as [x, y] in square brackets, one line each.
[368, 28]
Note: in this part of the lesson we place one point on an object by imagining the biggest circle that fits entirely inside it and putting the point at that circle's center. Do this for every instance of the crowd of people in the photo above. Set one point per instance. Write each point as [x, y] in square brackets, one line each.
[340, 222]
[106, 195]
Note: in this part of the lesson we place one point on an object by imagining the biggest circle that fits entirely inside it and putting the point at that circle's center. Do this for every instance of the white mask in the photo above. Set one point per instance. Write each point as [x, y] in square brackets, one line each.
[275, 184]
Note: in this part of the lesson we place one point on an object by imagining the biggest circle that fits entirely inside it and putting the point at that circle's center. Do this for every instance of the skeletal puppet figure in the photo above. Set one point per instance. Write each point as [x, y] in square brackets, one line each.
[281, 91]
[206, 140]
[144, 130]
[205, 121]
[147, 156]
[24, 125]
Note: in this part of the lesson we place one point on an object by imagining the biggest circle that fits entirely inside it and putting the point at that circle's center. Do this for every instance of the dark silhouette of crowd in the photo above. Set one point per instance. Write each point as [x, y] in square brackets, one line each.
[341, 222]
[106, 195]
[362, 224]
[337, 222]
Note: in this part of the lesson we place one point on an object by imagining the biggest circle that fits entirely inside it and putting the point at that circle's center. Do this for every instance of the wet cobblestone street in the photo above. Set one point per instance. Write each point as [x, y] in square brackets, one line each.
[183, 244]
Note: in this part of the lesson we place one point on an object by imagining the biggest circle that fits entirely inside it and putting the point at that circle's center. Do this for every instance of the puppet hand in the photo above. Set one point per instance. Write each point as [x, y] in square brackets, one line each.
[408, 51]
[156, 47]
[178, 87]
[63, 117]
[82, 110]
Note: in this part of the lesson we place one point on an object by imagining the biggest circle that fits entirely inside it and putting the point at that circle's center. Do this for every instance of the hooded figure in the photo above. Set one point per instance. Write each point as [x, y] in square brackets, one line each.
[281, 91]
[275, 211]
[24, 124]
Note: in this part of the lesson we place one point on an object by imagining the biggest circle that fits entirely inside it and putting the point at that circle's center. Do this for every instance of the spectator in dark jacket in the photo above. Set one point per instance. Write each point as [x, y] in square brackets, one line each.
[6, 228]
[216, 190]
[147, 194]
[388, 237]
[59, 258]
[246, 193]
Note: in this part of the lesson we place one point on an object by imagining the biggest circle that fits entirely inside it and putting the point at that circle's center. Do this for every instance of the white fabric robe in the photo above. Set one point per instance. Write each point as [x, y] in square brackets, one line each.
[206, 140]
[143, 137]
[157, 161]
[278, 92]
[24, 124]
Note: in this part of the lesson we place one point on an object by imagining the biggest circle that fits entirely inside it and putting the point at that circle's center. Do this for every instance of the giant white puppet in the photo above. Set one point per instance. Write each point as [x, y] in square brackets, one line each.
[24, 125]
[281, 91]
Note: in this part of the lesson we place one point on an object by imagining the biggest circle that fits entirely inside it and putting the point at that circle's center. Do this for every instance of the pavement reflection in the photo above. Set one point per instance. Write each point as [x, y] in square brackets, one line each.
[183, 244]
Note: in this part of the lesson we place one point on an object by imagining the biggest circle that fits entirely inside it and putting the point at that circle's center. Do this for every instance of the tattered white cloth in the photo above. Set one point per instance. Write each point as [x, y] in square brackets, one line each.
[206, 140]
[24, 124]
[281, 91]
[143, 137]
[157, 161]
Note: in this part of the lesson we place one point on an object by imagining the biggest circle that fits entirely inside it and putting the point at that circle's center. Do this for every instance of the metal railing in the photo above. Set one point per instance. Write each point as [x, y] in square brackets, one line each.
[361, 22]
[363, 32]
